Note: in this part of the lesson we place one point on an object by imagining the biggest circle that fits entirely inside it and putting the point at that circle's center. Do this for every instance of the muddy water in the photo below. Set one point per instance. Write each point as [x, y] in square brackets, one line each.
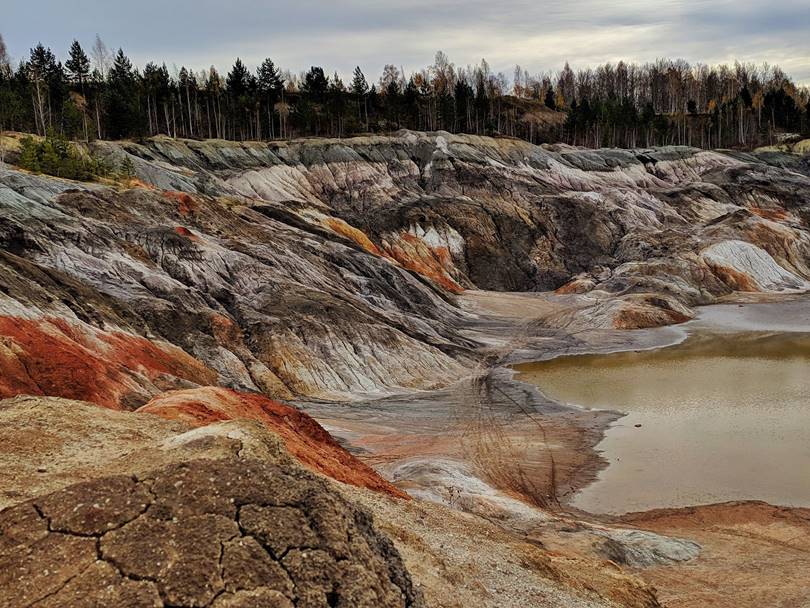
[725, 415]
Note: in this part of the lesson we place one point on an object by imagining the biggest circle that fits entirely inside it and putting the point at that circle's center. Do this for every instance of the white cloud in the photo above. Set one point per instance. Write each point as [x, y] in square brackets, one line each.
[539, 36]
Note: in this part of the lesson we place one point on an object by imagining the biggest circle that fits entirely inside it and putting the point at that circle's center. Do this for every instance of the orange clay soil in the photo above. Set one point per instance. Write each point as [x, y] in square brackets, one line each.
[352, 233]
[186, 204]
[736, 280]
[753, 555]
[304, 438]
[640, 316]
[412, 253]
[55, 358]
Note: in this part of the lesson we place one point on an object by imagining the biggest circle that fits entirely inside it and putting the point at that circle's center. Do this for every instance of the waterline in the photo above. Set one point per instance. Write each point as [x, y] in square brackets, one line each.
[721, 416]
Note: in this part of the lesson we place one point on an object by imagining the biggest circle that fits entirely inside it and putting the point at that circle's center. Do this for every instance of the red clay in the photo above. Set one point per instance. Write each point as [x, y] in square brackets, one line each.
[56, 358]
[736, 280]
[304, 437]
[412, 253]
[186, 204]
[182, 231]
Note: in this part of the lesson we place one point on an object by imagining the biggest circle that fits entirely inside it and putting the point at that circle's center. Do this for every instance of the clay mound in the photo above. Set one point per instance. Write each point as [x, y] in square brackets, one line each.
[220, 533]
[303, 437]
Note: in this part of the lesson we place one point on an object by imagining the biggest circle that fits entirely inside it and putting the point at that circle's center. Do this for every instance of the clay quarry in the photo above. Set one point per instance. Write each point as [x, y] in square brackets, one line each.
[411, 370]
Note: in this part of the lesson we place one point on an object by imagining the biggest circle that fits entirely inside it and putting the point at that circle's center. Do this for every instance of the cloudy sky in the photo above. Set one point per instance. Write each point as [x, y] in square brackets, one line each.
[539, 35]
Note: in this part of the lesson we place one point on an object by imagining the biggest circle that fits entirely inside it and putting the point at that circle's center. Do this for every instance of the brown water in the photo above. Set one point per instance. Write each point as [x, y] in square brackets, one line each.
[724, 416]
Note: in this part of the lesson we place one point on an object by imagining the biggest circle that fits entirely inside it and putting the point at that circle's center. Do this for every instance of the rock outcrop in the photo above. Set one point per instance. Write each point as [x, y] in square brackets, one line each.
[263, 304]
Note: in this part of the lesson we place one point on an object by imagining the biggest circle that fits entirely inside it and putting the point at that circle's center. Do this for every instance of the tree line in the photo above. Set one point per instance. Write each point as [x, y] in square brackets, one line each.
[100, 94]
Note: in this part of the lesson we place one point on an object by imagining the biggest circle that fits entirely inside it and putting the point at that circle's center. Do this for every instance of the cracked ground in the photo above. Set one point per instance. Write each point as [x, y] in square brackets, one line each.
[218, 533]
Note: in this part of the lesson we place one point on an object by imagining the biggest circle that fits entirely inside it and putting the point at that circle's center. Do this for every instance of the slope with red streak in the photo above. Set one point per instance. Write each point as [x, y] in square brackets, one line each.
[412, 253]
[57, 358]
[304, 438]
[352, 233]
[186, 204]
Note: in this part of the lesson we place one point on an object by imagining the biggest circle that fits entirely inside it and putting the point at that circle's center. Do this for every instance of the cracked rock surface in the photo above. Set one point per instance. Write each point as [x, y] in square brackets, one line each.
[219, 533]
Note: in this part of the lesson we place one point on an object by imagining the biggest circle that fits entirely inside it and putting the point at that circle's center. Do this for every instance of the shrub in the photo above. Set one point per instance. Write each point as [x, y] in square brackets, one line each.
[126, 168]
[55, 155]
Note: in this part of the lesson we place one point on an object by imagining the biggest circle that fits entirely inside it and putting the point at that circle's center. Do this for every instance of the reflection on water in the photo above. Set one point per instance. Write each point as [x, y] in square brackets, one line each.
[723, 417]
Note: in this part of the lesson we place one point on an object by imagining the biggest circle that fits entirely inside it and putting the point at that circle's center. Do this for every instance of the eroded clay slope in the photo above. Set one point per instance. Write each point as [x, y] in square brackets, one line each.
[327, 268]
[503, 214]
[115, 296]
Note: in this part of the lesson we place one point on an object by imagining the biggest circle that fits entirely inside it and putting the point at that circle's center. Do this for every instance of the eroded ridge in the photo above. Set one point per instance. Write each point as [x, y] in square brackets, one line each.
[219, 533]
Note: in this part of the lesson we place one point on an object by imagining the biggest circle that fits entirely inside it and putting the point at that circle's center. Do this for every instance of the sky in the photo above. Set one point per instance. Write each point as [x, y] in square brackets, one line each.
[539, 35]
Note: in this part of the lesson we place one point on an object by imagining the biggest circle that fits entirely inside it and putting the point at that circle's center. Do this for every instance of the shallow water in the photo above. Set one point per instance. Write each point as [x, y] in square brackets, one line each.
[724, 416]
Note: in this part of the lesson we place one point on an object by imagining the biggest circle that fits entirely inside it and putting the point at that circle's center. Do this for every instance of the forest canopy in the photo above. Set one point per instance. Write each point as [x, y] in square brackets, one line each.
[100, 94]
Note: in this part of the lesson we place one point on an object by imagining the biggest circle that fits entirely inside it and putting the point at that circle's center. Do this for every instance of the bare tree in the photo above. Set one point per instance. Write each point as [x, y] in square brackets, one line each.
[101, 56]
[5, 60]
[5, 71]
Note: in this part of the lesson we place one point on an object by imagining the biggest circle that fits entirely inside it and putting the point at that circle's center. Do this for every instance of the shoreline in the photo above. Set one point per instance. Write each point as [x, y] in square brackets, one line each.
[399, 434]
[751, 546]
[468, 447]
[741, 317]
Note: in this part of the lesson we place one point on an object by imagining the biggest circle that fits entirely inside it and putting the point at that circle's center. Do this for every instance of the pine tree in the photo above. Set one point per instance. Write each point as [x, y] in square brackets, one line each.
[271, 85]
[269, 77]
[187, 84]
[373, 102]
[237, 80]
[551, 100]
[122, 68]
[238, 84]
[337, 102]
[122, 111]
[315, 84]
[359, 84]
[44, 74]
[360, 90]
[78, 65]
